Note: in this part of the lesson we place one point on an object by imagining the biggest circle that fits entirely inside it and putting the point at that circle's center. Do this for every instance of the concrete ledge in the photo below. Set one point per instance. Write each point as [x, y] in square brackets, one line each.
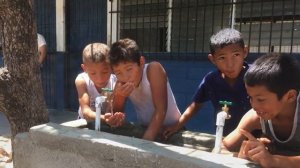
[54, 146]
[195, 140]
[80, 123]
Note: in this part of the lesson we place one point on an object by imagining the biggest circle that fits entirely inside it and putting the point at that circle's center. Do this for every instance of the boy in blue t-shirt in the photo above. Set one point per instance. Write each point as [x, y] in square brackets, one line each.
[228, 52]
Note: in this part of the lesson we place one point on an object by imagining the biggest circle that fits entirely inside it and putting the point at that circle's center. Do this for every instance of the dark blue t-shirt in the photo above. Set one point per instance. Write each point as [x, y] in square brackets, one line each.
[214, 88]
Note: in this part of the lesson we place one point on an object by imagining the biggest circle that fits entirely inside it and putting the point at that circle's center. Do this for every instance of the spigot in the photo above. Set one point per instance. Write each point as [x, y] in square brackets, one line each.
[225, 107]
[98, 105]
[106, 90]
[220, 122]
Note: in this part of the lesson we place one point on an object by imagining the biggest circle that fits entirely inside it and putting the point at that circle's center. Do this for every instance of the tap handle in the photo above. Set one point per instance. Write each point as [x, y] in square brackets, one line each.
[225, 105]
[224, 102]
[106, 90]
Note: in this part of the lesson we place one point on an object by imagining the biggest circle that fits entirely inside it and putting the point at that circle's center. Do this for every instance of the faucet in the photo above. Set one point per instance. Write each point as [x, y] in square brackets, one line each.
[103, 104]
[99, 102]
[220, 122]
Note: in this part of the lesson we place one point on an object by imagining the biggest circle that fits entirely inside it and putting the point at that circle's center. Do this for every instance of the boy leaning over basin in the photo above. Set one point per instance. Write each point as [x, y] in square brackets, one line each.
[273, 84]
[97, 75]
[228, 52]
[146, 85]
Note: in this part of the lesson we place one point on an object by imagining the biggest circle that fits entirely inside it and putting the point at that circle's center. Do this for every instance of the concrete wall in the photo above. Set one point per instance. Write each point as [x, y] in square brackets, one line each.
[54, 146]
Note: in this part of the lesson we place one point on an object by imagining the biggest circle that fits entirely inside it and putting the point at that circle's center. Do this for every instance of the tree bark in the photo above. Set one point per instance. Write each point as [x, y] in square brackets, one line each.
[21, 93]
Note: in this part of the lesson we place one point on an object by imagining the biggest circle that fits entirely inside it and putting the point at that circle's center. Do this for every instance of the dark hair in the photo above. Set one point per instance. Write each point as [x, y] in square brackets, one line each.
[224, 38]
[278, 72]
[124, 50]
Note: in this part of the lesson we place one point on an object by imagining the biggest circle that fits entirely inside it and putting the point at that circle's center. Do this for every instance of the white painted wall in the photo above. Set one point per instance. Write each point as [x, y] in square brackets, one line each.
[60, 26]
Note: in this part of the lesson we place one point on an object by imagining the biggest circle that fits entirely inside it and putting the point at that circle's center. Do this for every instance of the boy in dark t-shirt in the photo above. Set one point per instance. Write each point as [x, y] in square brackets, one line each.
[228, 52]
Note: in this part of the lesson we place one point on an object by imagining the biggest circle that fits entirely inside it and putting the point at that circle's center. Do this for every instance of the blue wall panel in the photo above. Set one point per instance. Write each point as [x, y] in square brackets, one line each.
[184, 77]
[86, 23]
[46, 21]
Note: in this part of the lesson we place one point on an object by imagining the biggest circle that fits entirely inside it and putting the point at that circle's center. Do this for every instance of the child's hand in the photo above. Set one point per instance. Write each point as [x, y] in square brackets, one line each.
[170, 130]
[255, 150]
[114, 120]
[124, 89]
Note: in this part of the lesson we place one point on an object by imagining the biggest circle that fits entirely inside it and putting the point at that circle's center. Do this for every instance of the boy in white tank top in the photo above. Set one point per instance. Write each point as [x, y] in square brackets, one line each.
[97, 75]
[147, 87]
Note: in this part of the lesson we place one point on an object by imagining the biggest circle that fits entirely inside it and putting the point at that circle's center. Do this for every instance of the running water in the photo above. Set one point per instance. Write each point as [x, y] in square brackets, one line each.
[108, 93]
[99, 107]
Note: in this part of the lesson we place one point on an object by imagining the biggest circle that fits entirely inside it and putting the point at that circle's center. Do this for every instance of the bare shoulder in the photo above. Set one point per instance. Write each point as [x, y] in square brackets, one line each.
[250, 121]
[80, 82]
[78, 79]
[155, 64]
[156, 74]
[252, 115]
[155, 67]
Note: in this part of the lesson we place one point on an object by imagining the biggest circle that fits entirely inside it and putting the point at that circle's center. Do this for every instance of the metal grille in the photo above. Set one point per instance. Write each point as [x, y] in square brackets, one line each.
[46, 25]
[45, 19]
[183, 27]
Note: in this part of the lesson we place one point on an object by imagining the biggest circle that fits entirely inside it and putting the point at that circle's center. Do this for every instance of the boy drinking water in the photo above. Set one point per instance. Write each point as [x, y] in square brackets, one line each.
[273, 84]
[89, 84]
[228, 52]
[146, 85]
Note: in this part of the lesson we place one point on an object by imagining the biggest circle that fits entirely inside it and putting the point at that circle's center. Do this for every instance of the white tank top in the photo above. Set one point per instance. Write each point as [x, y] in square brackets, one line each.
[92, 91]
[141, 98]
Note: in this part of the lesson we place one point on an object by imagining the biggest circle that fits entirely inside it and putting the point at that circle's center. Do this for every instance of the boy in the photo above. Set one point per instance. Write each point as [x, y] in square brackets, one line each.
[224, 84]
[89, 84]
[273, 84]
[146, 85]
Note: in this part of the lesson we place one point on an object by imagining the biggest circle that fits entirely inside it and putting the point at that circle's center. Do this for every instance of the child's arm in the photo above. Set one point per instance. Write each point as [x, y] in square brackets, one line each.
[249, 122]
[88, 114]
[188, 113]
[158, 84]
[42, 53]
[84, 100]
[282, 161]
[121, 92]
[256, 151]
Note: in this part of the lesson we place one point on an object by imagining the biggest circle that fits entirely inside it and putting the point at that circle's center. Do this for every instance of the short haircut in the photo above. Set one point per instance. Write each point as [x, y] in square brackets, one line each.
[95, 53]
[224, 38]
[124, 50]
[279, 73]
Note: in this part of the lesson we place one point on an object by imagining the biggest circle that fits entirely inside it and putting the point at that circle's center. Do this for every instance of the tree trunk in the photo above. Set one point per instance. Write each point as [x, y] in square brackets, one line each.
[21, 92]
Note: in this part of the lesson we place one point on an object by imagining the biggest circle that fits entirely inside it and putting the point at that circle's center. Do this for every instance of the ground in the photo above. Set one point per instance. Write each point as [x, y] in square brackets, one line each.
[5, 143]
